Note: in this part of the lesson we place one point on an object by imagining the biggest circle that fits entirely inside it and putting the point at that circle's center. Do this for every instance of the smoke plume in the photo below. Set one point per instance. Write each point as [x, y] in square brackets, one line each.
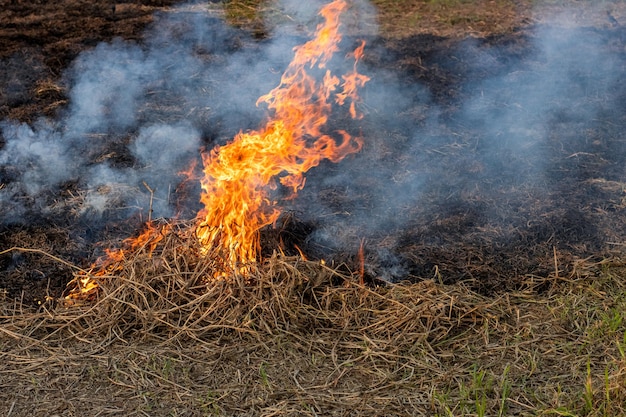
[483, 126]
[492, 154]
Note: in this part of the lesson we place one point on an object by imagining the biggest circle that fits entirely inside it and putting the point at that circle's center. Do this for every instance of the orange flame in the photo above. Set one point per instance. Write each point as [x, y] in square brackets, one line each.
[238, 175]
[85, 284]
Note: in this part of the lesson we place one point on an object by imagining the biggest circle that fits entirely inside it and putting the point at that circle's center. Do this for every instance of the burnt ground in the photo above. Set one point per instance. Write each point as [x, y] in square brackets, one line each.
[494, 181]
[496, 191]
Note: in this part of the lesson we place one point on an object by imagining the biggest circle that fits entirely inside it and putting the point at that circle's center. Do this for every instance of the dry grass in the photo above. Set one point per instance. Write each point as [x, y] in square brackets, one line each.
[449, 18]
[296, 337]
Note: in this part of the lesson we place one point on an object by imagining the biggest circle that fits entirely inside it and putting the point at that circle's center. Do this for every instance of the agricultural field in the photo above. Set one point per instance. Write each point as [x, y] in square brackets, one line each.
[284, 208]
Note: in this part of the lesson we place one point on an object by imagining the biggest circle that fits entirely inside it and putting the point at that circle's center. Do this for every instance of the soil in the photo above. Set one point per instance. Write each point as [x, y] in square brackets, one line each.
[472, 218]
[38, 41]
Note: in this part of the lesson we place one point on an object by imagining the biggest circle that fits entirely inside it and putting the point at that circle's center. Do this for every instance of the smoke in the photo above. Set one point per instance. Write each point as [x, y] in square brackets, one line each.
[471, 132]
[138, 114]
[297, 16]
[488, 153]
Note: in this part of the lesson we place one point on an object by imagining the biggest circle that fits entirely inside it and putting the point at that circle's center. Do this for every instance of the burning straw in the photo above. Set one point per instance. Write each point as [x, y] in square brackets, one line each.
[296, 337]
[158, 299]
[162, 295]
[239, 176]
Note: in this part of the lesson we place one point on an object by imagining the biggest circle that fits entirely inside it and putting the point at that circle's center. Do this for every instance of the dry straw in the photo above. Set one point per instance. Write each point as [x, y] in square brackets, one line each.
[170, 294]
[297, 337]
[302, 322]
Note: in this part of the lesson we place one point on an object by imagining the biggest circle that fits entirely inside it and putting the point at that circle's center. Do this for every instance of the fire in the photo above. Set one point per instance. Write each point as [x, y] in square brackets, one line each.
[239, 175]
[85, 284]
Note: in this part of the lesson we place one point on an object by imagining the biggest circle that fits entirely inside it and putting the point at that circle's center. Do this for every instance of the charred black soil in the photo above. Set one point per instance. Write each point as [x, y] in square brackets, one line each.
[508, 191]
[486, 210]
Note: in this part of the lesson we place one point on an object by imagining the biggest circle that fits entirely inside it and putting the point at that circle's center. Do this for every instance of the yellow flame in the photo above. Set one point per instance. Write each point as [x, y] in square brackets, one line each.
[237, 176]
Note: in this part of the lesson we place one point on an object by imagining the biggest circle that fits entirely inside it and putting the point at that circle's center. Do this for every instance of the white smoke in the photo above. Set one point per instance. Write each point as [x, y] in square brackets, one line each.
[500, 134]
[139, 113]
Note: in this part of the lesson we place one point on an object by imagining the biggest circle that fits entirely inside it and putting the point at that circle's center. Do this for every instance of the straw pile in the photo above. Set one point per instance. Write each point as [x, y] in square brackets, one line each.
[292, 337]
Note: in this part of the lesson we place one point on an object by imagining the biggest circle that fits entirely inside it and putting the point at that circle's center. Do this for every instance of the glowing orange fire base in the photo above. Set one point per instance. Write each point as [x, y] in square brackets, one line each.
[239, 175]
[85, 284]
